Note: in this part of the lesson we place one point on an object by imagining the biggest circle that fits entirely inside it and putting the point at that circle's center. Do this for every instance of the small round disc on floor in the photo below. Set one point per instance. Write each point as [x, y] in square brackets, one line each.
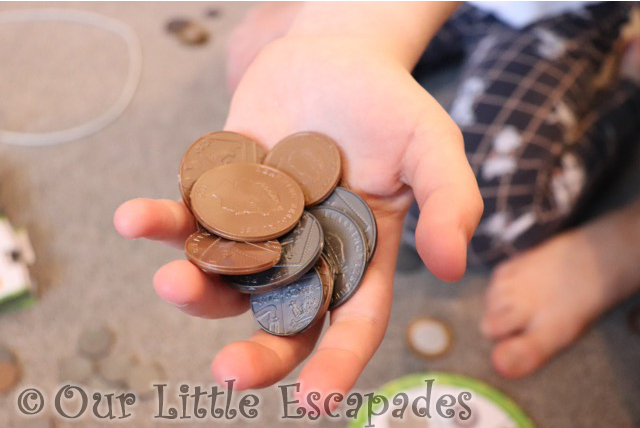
[42, 422]
[142, 376]
[6, 354]
[429, 337]
[193, 34]
[114, 369]
[75, 369]
[175, 25]
[9, 375]
[95, 341]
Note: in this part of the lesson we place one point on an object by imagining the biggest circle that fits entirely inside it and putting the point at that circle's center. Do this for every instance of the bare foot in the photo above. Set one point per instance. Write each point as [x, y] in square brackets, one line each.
[630, 43]
[261, 25]
[630, 63]
[539, 302]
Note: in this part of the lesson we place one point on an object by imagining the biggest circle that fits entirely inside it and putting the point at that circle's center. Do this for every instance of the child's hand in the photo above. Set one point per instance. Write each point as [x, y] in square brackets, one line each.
[394, 138]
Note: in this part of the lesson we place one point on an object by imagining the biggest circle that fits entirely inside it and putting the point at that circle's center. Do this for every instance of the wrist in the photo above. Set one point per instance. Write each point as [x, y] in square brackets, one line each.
[401, 30]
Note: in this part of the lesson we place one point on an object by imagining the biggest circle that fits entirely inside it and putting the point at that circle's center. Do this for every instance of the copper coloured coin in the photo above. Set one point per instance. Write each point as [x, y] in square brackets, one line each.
[214, 254]
[214, 149]
[9, 375]
[247, 202]
[301, 249]
[312, 159]
[327, 277]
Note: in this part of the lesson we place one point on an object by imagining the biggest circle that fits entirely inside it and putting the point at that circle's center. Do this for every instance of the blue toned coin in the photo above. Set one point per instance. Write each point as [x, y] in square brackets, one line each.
[352, 204]
[346, 248]
[301, 248]
[291, 309]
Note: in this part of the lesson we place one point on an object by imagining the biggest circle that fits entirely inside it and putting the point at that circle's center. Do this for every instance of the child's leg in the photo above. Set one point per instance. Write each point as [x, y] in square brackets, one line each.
[536, 132]
[539, 137]
[541, 300]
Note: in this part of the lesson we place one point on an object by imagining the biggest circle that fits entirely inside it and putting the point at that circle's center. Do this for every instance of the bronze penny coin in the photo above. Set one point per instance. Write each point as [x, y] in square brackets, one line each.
[193, 34]
[291, 309]
[327, 277]
[247, 202]
[312, 159]
[214, 254]
[214, 149]
[176, 24]
[9, 375]
[301, 249]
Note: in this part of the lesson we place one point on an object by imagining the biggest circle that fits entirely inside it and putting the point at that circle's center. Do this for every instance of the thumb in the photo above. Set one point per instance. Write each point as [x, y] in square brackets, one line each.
[444, 185]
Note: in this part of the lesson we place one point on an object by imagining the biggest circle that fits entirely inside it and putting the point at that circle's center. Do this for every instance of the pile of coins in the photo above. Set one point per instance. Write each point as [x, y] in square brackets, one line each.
[276, 225]
[96, 363]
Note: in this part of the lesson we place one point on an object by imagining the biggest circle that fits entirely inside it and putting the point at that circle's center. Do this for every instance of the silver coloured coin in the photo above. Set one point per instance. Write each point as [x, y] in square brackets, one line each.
[95, 341]
[6, 354]
[353, 205]
[114, 369]
[37, 423]
[142, 377]
[345, 245]
[75, 369]
[301, 248]
[291, 309]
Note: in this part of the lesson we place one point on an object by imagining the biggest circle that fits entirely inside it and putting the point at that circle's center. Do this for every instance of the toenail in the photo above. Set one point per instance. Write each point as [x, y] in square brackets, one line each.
[512, 360]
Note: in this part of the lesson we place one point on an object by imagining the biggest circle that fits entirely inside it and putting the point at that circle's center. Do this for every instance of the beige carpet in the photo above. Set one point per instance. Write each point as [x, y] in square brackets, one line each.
[57, 75]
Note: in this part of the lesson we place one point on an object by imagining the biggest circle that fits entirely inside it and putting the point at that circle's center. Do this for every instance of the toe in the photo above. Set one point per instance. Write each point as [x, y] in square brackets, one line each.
[517, 356]
[630, 64]
[523, 353]
[507, 305]
[504, 320]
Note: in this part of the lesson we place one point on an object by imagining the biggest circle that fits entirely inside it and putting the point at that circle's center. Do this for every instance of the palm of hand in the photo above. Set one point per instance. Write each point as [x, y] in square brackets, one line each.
[393, 135]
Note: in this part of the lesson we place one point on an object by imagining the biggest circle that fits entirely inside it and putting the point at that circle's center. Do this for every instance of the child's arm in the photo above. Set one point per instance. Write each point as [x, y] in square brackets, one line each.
[343, 70]
[402, 29]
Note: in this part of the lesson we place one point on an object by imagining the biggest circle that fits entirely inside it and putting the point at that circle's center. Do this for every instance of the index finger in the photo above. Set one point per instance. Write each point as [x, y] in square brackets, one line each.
[158, 219]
